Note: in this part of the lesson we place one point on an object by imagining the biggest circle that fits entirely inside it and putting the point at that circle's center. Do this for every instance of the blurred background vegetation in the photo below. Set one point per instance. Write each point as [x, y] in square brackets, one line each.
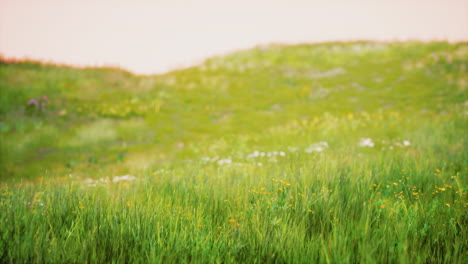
[109, 121]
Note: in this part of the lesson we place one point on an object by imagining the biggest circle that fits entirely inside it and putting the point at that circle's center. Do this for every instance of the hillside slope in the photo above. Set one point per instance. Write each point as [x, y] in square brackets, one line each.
[108, 121]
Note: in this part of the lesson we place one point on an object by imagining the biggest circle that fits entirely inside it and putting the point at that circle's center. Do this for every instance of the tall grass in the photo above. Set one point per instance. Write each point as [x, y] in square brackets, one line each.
[352, 204]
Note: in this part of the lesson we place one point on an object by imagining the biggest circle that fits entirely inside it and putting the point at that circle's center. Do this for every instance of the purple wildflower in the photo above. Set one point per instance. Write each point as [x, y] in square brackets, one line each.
[33, 102]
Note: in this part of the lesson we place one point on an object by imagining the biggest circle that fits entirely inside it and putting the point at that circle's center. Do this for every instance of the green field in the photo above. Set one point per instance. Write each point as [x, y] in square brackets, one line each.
[325, 153]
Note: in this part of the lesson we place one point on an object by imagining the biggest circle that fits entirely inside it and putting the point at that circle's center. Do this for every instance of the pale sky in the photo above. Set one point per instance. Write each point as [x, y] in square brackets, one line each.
[160, 35]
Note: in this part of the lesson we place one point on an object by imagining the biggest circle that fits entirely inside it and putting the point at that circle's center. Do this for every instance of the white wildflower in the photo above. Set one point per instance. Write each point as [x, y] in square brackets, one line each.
[253, 155]
[366, 142]
[123, 178]
[312, 149]
[88, 181]
[293, 149]
[317, 147]
[224, 161]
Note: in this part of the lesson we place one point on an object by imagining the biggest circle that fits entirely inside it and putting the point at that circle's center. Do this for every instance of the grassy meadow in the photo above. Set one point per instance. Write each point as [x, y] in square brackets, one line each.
[325, 153]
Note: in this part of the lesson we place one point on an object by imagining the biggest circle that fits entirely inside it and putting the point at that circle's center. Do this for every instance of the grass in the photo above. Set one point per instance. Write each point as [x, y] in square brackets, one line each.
[223, 162]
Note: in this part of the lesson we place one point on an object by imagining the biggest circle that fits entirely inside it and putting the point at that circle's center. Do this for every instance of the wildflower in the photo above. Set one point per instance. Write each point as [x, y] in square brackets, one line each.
[317, 147]
[123, 178]
[224, 161]
[33, 102]
[285, 183]
[129, 203]
[232, 220]
[255, 154]
[292, 149]
[406, 143]
[366, 142]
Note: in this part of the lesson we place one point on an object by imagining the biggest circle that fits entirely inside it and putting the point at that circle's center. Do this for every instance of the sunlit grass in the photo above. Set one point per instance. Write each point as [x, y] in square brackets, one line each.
[329, 153]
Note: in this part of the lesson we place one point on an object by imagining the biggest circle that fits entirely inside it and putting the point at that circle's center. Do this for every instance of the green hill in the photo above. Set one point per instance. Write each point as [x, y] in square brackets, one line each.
[109, 118]
[325, 153]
